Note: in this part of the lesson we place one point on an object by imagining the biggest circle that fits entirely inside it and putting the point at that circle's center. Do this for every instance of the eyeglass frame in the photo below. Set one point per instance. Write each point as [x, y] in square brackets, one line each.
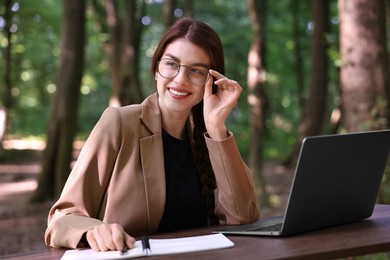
[188, 71]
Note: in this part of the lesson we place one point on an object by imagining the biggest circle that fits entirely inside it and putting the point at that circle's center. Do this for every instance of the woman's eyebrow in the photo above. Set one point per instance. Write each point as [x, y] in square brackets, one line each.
[173, 57]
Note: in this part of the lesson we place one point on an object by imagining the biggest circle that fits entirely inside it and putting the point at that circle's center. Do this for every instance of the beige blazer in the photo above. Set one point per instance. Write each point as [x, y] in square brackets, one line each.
[119, 178]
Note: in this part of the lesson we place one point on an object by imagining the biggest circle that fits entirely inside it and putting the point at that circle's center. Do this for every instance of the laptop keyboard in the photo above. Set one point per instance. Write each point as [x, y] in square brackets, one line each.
[275, 227]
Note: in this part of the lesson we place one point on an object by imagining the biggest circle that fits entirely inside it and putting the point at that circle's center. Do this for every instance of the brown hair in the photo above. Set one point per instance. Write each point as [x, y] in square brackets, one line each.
[205, 37]
[199, 34]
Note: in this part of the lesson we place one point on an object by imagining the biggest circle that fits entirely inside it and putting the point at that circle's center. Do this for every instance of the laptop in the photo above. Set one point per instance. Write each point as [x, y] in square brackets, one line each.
[336, 181]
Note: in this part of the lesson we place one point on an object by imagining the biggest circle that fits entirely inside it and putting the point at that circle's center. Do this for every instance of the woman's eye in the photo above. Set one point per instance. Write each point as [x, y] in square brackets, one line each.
[171, 64]
[197, 71]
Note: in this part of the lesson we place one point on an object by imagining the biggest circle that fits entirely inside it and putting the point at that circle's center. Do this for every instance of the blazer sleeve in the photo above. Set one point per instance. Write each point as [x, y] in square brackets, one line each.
[236, 198]
[77, 209]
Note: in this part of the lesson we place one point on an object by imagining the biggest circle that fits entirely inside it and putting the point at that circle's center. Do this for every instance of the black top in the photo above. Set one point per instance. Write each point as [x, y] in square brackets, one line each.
[184, 206]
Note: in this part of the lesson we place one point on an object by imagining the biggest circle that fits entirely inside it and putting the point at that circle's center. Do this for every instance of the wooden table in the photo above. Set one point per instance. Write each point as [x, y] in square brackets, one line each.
[359, 238]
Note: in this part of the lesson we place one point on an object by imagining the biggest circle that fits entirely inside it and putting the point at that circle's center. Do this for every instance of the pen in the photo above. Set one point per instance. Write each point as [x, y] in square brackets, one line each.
[146, 246]
[124, 250]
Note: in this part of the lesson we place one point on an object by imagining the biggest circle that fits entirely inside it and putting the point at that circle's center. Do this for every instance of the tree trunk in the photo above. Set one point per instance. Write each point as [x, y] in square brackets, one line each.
[313, 118]
[133, 32]
[168, 10]
[189, 8]
[122, 51]
[63, 120]
[257, 98]
[114, 50]
[364, 73]
[299, 69]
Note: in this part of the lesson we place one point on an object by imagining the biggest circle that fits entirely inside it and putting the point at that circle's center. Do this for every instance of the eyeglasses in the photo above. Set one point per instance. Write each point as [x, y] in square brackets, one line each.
[197, 74]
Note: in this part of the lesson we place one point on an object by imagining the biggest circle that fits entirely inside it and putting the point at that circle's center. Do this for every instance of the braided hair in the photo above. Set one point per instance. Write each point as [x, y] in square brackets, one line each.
[202, 159]
[205, 37]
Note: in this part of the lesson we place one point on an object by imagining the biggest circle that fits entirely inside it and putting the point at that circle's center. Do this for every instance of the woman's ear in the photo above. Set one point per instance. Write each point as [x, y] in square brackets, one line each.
[155, 76]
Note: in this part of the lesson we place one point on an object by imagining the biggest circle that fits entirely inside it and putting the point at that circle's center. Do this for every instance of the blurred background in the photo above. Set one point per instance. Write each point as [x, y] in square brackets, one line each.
[306, 68]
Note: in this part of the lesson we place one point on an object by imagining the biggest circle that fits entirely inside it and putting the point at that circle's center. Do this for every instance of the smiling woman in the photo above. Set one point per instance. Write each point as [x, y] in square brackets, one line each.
[166, 164]
[178, 94]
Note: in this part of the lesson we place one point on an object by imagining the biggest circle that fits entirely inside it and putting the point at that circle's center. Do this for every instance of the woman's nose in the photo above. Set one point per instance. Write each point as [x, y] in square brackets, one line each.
[182, 76]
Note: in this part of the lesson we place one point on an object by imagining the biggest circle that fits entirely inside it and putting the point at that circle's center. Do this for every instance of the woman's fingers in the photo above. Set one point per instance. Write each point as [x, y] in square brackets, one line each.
[216, 74]
[109, 237]
[224, 83]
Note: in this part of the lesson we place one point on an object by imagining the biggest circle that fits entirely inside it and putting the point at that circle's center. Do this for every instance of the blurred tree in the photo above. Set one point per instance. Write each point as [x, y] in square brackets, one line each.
[189, 8]
[62, 124]
[314, 114]
[284, 95]
[257, 98]
[6, 91]
[168, 10]
[287, 36]
[364, 71]
[297, 32]
[34, 28]
[122, 50]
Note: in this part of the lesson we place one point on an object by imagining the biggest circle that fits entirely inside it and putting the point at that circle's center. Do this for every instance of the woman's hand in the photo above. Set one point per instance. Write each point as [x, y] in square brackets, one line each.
[109, 237]
[217, 107]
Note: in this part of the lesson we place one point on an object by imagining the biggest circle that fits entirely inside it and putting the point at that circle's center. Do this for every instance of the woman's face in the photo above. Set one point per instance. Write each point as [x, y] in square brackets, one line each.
[179, 93]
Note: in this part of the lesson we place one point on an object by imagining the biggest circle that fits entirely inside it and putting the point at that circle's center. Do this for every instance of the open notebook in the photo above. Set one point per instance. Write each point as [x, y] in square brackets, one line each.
[157, 247]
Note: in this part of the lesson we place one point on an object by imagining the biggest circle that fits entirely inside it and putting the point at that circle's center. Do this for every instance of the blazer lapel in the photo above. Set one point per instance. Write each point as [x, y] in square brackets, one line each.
[152, 159]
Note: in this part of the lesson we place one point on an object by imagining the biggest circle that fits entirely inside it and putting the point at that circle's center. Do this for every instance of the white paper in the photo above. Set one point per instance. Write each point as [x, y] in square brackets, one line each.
[157, 247]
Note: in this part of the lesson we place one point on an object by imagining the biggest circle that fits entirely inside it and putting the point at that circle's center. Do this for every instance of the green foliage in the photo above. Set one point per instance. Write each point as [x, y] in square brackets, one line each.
[35, 51]
[36, 43]
[36, 48]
